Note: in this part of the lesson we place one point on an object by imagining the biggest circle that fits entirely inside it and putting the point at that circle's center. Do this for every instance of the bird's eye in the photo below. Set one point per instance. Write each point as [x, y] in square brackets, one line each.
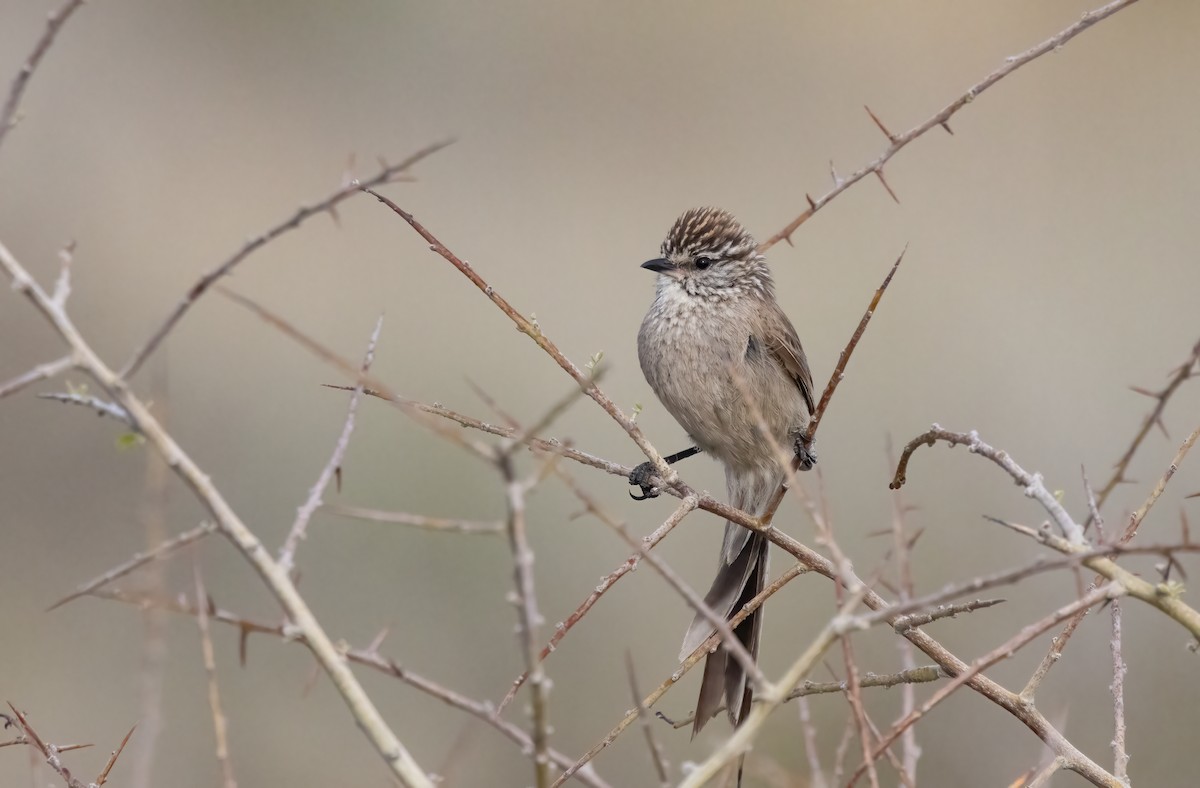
[703, 262]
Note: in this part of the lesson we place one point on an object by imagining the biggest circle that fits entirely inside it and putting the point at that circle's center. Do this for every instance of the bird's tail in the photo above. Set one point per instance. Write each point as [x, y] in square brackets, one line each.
[741, 575]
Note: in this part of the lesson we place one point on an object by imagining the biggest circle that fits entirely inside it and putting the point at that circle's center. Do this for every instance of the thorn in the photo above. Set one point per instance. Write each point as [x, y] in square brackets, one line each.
[333, 214]
[788, 238]
[383, 165]
[891, 137]
[337, 477]
[243, 641]
[812, 204]
[310, 681]
[837, 181]
[1145, 393]
[879, 175]
[1183, 522]
[945, 124]
[373, 648]
[1158, 420]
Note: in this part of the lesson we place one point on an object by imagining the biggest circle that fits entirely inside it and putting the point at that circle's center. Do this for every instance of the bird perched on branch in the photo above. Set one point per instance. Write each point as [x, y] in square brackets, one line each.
[714, 338]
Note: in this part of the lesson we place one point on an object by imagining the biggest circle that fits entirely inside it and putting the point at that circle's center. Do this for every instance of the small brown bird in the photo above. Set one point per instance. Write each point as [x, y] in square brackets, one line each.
[715, 316]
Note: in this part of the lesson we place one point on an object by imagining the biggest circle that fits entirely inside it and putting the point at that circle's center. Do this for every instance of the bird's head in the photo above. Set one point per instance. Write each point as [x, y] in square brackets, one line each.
[709, 254]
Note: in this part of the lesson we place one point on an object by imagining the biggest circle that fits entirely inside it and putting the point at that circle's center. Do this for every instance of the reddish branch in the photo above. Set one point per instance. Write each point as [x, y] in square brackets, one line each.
[941, 118]
[54, 23]
[388, 174]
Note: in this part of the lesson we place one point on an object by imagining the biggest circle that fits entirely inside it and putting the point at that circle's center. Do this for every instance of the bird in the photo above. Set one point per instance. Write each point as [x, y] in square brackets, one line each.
[713, 339]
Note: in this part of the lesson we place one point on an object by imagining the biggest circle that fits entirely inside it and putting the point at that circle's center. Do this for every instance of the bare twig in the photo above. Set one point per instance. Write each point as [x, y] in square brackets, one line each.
[1135, 519]
[902, 556]
[692, 660]
[816, 775]
[102, 778]
[839, 372]
[389, 173]
[811, 560]
[1042, 778]
[37, 374]
[394, 754]
[528, 617]
[858, 710]
[1180, 375]
[736, 648]
[896, 142]
[355, 372]
[137, 560]
[550, 445]
[152, 511]
[1032, 482]
[48, 751]
[774, 694]
[1001, 652]
[54, 23]
[942, 611]
[903, 678]
[628, 565]
[368, 657]
[843, 748]
[287, 553]
[656, 754]
[1120, 755]
[220, 724]
[102, 407]
[415, 520]
[534, 332]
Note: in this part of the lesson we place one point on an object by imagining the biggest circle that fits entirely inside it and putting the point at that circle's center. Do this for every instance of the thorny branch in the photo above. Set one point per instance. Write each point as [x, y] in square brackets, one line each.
[299, 528]
[54, 23]
[50, 752]
[117, 385]
[527, 615]
[220, 722]
[388, 173]
[369, 657]
[534, 332]
[896, 142]
[402, 764]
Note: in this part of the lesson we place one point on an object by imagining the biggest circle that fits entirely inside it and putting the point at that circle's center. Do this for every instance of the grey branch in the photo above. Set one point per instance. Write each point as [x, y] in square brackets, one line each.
[137, 560]
[415, 520]
[287, 553]
[102, 407]
[905, 623]
[401, 763]
[39, 373]
[54, 23]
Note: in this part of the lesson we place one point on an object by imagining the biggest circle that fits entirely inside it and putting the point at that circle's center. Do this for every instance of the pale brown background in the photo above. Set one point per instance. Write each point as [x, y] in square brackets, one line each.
[1052, 262]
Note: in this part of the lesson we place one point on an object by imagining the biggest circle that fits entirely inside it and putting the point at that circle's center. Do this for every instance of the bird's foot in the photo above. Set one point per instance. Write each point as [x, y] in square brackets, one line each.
[641, 476]
[806, 454]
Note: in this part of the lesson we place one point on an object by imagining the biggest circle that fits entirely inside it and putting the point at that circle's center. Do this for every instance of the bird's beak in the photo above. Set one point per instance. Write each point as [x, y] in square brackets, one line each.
[659, 265]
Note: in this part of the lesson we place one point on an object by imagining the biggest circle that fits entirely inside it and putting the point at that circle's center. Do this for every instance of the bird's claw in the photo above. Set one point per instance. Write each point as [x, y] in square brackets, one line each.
[641, 476]
[805, 454]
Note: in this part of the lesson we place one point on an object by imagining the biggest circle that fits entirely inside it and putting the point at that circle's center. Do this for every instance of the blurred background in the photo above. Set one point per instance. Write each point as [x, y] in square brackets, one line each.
[1052, 263]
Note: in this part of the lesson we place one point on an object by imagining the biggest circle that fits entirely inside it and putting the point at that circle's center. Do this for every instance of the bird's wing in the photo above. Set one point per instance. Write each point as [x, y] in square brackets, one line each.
[780, 338]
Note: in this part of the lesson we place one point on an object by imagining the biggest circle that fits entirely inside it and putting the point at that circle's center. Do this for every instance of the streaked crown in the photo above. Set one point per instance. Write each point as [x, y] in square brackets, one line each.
[709, 232]
[708, 254]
